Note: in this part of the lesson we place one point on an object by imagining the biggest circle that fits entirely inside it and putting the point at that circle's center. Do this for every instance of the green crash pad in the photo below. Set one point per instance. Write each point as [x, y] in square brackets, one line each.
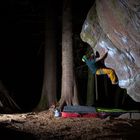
[111, 110]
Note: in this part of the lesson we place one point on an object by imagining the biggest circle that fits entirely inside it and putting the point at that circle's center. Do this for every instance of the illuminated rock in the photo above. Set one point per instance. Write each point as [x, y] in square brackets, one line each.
[113, 26]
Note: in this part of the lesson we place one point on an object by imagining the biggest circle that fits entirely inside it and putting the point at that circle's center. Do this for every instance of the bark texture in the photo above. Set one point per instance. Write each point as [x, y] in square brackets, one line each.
[48, 96]
[69, 89]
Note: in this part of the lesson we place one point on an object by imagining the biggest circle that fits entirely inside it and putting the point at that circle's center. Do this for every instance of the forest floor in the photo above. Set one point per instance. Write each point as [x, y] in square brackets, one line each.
[44, 126]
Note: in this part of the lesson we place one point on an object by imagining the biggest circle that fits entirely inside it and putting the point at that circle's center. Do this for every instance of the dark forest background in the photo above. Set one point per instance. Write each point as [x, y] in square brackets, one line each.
[21, 50]
[22, 42]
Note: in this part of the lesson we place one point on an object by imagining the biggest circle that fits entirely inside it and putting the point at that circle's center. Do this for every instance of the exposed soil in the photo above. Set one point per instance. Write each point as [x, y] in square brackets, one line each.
[44, 126]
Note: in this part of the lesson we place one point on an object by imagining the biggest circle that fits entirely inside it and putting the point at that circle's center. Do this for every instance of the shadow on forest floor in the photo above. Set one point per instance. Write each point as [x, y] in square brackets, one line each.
[9, 133]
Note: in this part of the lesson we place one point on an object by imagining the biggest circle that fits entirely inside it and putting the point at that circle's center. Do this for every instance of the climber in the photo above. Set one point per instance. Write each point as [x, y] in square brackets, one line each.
[96, 67]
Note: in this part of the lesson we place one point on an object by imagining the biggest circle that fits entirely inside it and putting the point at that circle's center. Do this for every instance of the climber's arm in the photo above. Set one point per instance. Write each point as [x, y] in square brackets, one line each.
[102, 57]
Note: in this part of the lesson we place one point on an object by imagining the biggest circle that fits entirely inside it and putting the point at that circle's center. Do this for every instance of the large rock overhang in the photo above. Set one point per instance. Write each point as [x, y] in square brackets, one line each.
[113, 26]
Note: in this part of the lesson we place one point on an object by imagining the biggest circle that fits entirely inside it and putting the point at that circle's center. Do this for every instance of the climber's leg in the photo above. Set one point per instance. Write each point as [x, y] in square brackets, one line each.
[110, 72]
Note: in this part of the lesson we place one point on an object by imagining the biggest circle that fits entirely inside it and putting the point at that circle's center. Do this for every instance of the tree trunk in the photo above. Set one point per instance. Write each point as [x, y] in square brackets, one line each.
[48, 96]
[90, 89]
[68, 95]
[7, 104]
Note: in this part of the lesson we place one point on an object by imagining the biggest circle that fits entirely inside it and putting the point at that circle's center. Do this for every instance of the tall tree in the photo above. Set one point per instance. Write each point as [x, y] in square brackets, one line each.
[7, 104]
[90, 89]
[68, 90]
[48, 96]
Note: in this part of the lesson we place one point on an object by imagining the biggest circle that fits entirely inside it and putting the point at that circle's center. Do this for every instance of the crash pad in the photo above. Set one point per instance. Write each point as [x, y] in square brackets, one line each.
[79, 109]
[96, 112]
[75, 115]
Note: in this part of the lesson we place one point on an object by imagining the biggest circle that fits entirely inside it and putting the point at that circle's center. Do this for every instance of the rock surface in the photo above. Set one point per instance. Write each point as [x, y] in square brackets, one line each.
[113, 26]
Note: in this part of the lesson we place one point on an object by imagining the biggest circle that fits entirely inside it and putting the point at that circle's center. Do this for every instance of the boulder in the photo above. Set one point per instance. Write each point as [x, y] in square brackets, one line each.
[113, 26]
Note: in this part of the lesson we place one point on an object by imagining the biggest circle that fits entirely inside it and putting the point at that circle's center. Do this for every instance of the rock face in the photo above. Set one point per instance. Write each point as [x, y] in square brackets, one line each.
[113, 26]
